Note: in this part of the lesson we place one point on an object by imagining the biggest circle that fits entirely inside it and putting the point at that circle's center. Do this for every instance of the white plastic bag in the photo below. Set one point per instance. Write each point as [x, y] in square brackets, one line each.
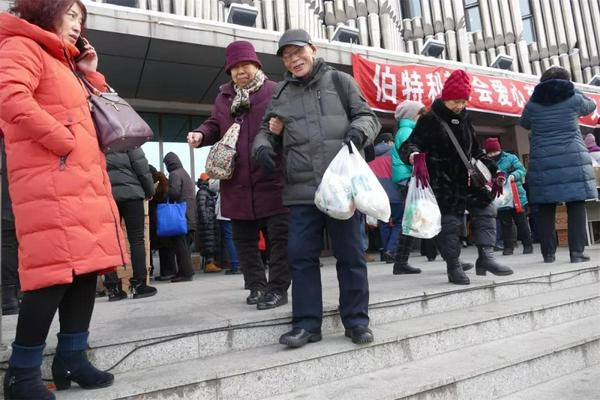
[334, 194]
[372, 221]
[369, 196]
[422, 217]
[506, 199]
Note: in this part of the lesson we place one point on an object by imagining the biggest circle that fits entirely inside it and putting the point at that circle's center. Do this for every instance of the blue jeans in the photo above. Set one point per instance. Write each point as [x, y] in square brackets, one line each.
[390, 234]
[306, 225]
[227, 234]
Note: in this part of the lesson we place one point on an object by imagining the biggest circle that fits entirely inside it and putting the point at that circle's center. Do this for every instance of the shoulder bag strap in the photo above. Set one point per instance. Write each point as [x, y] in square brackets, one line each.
[459, 149]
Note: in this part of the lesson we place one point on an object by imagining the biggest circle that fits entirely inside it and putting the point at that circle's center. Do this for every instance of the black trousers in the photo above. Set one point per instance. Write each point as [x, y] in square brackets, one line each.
[10, 254]
[75, 304]
[506, 218]
[132, 211]
[576, 217]
[180, 247]
[245, 237]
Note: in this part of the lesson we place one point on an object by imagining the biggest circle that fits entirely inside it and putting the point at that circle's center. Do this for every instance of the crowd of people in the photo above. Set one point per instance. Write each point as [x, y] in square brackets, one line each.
[68, 198]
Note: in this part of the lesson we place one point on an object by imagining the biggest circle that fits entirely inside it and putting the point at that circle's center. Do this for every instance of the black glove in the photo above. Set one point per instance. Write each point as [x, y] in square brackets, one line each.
[265, 157]
[355, 136]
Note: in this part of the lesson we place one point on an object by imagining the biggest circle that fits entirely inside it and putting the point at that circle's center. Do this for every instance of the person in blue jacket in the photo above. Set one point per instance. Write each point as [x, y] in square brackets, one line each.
[407, 113]
[560, 167]
[515, 171]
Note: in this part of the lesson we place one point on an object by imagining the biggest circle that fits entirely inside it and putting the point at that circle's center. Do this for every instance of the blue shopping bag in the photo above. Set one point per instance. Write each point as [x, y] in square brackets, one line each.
[170, 219]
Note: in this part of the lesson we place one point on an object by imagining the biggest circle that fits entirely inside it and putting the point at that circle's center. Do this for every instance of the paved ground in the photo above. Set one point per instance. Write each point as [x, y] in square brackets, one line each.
[214, 300]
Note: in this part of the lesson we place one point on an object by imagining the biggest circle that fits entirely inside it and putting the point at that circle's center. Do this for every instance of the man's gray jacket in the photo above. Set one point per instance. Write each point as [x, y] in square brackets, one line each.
[315, 124]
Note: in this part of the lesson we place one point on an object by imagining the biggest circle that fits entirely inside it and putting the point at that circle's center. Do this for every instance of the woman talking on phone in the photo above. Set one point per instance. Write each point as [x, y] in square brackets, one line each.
[66, 219]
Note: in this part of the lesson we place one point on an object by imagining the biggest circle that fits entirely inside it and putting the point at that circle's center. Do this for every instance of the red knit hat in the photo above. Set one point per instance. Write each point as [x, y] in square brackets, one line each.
[457, 86]
[240, 51]
[491, 145]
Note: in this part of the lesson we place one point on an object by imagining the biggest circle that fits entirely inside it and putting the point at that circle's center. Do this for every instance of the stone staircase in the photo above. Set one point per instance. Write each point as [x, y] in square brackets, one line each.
[517, 337]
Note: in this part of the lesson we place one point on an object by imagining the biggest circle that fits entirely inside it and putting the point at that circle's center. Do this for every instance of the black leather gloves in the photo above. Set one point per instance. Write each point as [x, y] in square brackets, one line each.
[265, 157]
[355, 136]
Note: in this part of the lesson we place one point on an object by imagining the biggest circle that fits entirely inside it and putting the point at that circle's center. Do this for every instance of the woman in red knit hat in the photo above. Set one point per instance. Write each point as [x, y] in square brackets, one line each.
[436, 161]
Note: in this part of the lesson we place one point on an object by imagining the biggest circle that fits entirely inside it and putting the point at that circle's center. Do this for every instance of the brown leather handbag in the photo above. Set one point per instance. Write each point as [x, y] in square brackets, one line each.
[118, 127]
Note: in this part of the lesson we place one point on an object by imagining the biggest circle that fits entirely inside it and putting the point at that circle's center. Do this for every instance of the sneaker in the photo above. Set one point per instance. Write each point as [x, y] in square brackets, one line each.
[116, 295]
[254, 296]
[141, 290]
[271, 299]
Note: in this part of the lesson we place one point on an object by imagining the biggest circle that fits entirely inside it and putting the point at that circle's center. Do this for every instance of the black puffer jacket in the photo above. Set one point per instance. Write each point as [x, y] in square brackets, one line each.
[181, 187]
[447, 173]
[207, 233]
[129, 175]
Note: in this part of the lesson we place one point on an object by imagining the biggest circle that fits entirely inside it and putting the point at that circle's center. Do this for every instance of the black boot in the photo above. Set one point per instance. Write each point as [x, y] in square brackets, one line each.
[71, 364]
[115, 291]
[10, 300]
[23, 378]
[487, 262]
[456, 274]
[140, 289]
[401, 260]
[465, 265]
[579, 256]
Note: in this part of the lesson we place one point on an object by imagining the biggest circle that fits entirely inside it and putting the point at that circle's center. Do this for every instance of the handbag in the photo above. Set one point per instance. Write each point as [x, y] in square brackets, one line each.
[170, 219]
[118, 127]
[479, 175]
[220, 162]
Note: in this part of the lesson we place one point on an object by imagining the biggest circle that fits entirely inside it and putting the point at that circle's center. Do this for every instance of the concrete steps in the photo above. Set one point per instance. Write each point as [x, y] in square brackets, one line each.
[580, 385]
[562, 317]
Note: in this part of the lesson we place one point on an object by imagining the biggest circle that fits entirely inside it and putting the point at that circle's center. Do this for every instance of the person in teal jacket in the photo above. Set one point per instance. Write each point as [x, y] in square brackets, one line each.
[407, 113]
[515, 171]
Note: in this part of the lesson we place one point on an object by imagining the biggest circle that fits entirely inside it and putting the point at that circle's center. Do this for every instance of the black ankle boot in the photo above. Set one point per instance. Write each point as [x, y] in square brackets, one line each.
[23, 378]
[456, 274]
[401, 265]
[10, 300]
[115, 291]
[140, 289]
[487, 262]
[579, 256]
[71, 364]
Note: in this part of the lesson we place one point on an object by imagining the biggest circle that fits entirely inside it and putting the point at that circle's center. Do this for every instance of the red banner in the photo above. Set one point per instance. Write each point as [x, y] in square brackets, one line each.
[384, 86]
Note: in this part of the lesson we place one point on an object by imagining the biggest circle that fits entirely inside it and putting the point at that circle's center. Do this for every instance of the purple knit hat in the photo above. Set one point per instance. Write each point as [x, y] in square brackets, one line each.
[590, 143]
[240, 51]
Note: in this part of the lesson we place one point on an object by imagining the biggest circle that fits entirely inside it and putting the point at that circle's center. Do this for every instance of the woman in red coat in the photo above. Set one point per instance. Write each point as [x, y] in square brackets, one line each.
[66, 220]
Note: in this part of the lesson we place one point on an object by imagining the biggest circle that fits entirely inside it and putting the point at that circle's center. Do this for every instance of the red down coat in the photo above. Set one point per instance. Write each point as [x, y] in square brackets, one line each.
[66, 219]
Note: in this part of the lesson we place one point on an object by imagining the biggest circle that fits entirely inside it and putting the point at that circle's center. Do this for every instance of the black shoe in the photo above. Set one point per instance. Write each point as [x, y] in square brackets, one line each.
[508, 251]
[550, 258]
[71, 364]
[115, 291]
[388, 257]
[298, 337]
[455, 272]
[360, 334]
[527, 249]
[255, 295]
[164, 277]
[10, 300]
[486, 262]
[25, 384]
[400, 269]
[271, 300]
[577, 257]
[233, 272]
[431, 258]
[141, 290]
[179, 278]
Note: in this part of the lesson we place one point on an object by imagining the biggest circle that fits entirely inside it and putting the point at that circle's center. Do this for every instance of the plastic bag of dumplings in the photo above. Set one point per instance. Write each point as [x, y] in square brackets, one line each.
[334, 194]
[422, 217]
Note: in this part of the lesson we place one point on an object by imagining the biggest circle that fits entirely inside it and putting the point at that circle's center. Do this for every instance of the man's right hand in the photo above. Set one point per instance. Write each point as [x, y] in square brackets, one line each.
[275, 125]
[194, 139]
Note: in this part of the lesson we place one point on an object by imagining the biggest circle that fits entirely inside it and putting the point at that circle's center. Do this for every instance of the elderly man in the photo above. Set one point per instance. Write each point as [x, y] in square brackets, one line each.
[314, 111]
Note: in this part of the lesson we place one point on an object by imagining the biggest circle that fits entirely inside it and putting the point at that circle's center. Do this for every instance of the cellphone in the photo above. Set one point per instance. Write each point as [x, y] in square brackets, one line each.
[81, 46]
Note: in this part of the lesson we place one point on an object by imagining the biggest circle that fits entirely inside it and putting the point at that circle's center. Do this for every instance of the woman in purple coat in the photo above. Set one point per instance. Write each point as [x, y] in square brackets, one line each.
[252, 197]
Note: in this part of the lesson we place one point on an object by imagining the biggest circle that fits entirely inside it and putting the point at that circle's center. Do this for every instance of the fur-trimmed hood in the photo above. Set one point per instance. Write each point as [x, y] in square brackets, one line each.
[552, 91]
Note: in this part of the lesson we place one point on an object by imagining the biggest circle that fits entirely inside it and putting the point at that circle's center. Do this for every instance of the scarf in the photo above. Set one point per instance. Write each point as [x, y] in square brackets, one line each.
[241, 101]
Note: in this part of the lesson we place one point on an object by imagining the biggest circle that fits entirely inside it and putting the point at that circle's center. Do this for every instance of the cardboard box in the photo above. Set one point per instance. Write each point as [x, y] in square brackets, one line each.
[561, 217]
[563, 237]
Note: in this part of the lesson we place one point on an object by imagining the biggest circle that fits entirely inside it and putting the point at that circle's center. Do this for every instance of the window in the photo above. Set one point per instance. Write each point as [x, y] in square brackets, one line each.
[528, 24]
[472, 15]
[410, 8]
